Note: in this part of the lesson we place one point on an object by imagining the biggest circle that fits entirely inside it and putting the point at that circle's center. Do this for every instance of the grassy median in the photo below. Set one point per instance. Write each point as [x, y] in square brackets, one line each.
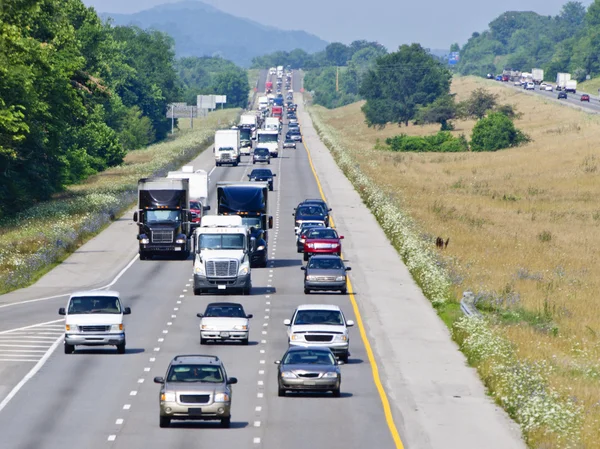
[522, 225]
[41, 237]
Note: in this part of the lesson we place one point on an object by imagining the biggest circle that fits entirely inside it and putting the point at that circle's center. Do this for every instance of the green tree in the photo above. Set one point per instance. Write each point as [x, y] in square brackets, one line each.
[337, 54]
[441, 111]
[479, 103]
[400, 82]
[234, 84]
[496, 132]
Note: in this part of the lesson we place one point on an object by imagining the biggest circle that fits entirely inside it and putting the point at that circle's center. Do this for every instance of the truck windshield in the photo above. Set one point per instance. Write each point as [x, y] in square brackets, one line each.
[225, 149]
[252, 222]
[221, 241]
[265, 138]
[161, 216]
[94, 304]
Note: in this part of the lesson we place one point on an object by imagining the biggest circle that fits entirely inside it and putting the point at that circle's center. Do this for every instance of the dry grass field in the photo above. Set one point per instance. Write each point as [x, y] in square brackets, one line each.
[523, 225]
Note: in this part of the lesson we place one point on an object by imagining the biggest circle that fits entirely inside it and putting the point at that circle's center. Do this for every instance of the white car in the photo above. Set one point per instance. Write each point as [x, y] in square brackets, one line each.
[529, 86]
[94, 318]
[224, 321]
[320, 325]
[518, 83]
[548, 87]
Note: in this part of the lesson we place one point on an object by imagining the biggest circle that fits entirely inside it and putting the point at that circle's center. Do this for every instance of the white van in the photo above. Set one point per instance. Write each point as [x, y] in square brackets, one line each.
[94, 318]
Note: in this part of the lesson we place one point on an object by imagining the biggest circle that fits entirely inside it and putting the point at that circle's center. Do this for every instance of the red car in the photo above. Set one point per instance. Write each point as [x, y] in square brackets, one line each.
[585, 97]
[322, 241]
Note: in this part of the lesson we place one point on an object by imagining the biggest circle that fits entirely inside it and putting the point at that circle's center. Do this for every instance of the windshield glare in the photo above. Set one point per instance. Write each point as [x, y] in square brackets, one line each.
[94, 304]
[162, 216]
[310, 210]
[225, 312]
[265, 138]
[195, 373]
[251, 222]
[325, 264]
[332, 317]
[309, 357]
[322, 234]
[221, 241]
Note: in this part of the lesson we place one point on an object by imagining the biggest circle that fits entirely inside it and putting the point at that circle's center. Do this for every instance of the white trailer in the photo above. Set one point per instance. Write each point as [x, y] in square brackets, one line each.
[561, 80]
[571, 86]
[537, 75]
[198, 189]
[227, 147]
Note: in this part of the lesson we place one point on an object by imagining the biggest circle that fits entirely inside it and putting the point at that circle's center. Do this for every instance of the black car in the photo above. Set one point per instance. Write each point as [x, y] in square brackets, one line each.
[562, 94]
[308, 212]
[263, 175]
[261, 155]
[325, 272]
[321, 203]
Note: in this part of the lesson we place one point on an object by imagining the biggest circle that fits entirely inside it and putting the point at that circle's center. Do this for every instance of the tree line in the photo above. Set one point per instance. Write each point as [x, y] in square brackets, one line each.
[76, 94]
[568, 42]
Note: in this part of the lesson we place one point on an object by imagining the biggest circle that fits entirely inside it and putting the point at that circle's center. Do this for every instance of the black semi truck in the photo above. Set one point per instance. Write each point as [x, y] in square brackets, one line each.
[249, 200]
[163, 217]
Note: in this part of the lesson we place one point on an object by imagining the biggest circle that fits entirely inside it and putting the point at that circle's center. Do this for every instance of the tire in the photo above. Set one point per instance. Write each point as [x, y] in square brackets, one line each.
[336, 393]
[69, 348]
[245, 342]
[270, 188]
[226, 422]
[280, 392]
[246, 291]
[306, 256]
[344, 358]
[202, 341]
[344, 291]
[143, 256]
[235, 164]
[269, 162]
[121, 348]
[253, 162]
[306, 291]
[197, 291]
[163, 422]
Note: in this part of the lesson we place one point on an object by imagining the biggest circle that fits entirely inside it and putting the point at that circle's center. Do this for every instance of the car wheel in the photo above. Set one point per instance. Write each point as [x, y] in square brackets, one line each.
[164, 421]
[306, 291]
[226, 422]
[143, 256]
[344, 291]
[245, 342]
[197, 291]
[253, 162]
[344, 358]
[69, 348]
[280, 392]
[270, 188]
[336, 393]
[246, 291]
[269, 162]
[121, 348]
[202, 341]
[306, 256]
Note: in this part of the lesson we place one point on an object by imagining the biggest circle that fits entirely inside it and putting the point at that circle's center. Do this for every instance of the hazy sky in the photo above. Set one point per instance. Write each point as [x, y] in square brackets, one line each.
[434, 24]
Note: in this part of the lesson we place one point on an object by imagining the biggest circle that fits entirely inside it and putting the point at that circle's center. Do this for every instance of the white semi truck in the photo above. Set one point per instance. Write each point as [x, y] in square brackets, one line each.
[268, 139]
[537, 75]
[223, 248]
[263, 103]
[227, 147]
[561, 80]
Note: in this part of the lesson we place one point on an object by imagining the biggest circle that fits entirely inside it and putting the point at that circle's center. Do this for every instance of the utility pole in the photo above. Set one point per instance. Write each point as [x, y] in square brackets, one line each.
[337, 79]
[172, 118]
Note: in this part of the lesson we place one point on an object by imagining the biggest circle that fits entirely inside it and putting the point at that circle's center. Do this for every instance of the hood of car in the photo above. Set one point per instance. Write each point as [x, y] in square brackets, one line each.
[222, 323]
[324, 328]
[94, 319]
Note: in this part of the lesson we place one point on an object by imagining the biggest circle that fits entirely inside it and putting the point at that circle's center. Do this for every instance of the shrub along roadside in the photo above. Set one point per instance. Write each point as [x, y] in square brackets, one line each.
[443, 142]
[37, 239]
[519, 386]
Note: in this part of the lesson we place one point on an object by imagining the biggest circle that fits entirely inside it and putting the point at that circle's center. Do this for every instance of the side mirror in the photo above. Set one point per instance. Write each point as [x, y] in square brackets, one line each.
[199, 315]
[127, 311]
[277, 362]
[303, 268]
[190, 216]
[349, 323]
[249, 316]
[348, 268]
[231, 381]
[205, 208]
[274, 174]
[340, 362]
[62, 311]
[248, 175]
[270, 222]
[287, 322]
[135, 216]
[341, 237]
[159, 380]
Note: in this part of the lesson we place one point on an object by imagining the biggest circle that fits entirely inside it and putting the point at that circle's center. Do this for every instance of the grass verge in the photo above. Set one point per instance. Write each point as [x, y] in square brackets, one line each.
[34, 241]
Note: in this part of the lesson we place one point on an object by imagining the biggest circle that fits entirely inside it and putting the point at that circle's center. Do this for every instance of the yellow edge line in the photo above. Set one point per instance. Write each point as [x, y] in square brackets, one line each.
[363, 334]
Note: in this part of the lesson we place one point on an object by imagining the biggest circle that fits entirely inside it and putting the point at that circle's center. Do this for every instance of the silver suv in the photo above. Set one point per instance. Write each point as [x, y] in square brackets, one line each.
[196, 387]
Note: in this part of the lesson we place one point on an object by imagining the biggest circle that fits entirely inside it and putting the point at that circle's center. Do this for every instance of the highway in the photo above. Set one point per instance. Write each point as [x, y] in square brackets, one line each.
[98, 399]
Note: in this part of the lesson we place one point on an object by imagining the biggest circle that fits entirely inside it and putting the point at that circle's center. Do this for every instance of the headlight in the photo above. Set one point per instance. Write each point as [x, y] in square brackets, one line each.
[145, 241]
[180, 241]
[205, 327]
[340, 278]
[335, 245]
[296, 337]
[240, 328]
[199, 269]
[221, 397]
[244, 270]
[260, 248]
[311, 277]
[341, 337]
[330, 375]
[310, 245]
[167, 397]
[70, 328]
[117, 327]
[288, 375]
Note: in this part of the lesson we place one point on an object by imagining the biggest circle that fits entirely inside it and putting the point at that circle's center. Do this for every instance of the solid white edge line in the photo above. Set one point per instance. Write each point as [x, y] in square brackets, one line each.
[30, 374]
[33, 325]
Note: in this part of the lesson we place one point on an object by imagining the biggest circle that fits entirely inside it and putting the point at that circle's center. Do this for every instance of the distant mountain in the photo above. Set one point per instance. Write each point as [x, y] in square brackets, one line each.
[202, 30]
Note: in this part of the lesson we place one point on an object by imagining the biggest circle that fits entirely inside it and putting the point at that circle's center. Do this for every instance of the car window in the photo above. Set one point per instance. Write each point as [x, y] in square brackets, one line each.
[322, 234]
[325, 263]
[261, 173]
[261, 151]
[328, 317]
[94, 304]
[309, 357]
[310, 210]
[195, 373]
[230, 311]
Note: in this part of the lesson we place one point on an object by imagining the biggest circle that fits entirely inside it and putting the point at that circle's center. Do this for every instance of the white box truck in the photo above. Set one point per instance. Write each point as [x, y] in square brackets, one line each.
[272, 124]
[227, 147]
[561, 80]
[537, 75]
[198, 189]
[269, 139]
[263, 103]
[571, 86]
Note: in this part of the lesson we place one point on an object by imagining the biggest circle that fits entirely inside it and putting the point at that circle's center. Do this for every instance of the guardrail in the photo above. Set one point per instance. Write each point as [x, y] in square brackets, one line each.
[467, 305]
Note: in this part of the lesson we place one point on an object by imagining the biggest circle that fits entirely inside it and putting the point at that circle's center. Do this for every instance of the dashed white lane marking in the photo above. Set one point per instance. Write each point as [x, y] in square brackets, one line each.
[165, 331]
[160, 340]
[187, 285]
[262, 351]
[262, 362]
[258, 408]
[263, 342]
[259, 395]
[265, 324]
[266, 317]
[268, 303]
[264, 332]
[152, 359]
[190, 280]
[260, 382]
[173, 316]
[112, 437]
[169, 323]
[133, 393]
[178, 302]
[184, 290]
[140, 381]
[256, 440]
[126, 406]
[156, 349]
[181, 296]
[175, 309]
[256, 423]
[261, 372]
[267, 296]
[119, 421]
[147, 369]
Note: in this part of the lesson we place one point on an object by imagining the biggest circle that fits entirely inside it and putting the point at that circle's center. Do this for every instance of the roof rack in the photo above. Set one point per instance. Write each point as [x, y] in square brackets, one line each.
[197, 355]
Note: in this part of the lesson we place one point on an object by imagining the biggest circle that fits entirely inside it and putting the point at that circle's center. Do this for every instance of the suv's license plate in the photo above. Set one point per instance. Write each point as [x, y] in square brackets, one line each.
[221, 287]
[310, 383]
[224, 334]
[194, 411]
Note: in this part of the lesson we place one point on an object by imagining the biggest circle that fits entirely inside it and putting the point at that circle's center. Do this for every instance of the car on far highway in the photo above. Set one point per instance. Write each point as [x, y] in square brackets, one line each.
[304, 228]
[262, 175]
[196, 387]
[585, 97]
[325, 272]
[289, 143]
[295, 135]
[548, 88]
[94, 318]
[308, 369]
[321, 325]
[529, 86]
[498, 77]
[562, 94]
[261, 155]
[224, 321]
[292, 120]
[309, 212]
[321, 203]
[322, 241]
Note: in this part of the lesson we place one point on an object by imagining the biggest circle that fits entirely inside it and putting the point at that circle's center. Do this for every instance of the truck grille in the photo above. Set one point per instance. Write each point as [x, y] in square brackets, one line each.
[317, 337]
[194, 398]
[325, 278]
[161, 236]
[221, 268]
[94, 328]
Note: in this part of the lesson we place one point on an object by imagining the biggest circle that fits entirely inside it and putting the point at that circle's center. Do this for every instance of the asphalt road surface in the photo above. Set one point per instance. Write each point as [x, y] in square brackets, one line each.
[97, 399]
